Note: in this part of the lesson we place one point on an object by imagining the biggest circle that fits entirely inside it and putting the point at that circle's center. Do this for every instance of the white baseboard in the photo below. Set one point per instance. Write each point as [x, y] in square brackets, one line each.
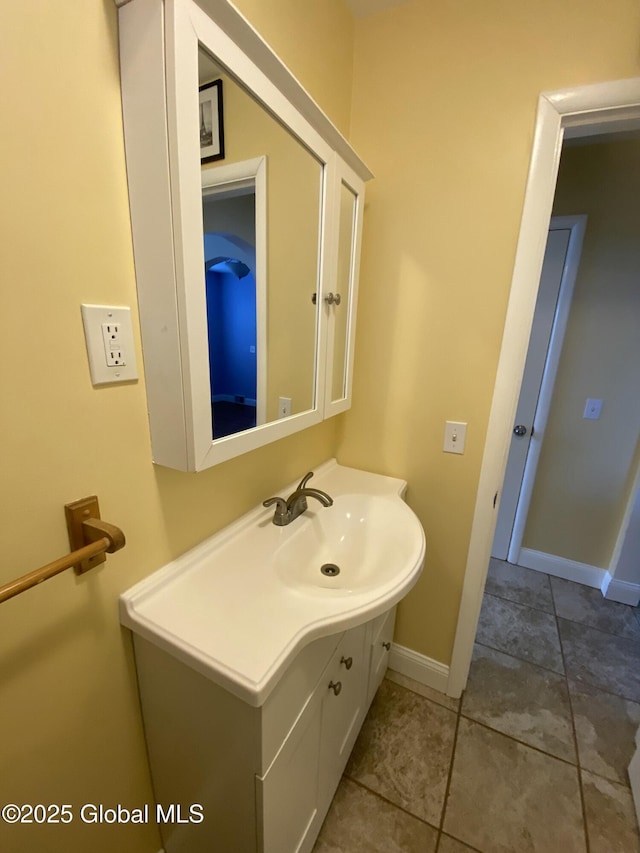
[560, 567]
[622, 591]
[422, 669]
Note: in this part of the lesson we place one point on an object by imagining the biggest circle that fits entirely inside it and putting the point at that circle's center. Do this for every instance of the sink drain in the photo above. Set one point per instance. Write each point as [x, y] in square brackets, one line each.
[330, 570]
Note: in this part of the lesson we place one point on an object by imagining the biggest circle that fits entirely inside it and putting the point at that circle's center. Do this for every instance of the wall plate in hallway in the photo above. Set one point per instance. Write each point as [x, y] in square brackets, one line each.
[592, 409]
[455, 433]
[109, 336]
[284, 407]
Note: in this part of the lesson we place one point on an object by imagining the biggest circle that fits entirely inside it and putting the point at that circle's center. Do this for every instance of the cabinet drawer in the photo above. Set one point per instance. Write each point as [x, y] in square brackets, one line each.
[381, 639]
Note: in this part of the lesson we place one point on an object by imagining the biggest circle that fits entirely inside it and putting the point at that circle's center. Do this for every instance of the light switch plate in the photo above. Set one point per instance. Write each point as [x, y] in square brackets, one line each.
[592, 409]
[109, 336]
[455, 433]
[284, 407]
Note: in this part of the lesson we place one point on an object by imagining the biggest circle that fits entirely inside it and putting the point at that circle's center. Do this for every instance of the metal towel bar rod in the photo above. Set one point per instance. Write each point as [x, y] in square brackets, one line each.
[94, 537]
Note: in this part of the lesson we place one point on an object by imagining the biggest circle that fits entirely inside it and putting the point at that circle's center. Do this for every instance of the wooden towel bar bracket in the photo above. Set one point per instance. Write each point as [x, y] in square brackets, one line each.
[90, 538]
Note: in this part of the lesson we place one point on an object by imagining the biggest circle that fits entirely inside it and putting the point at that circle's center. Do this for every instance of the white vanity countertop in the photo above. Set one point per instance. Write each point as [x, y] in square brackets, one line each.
[225, 608]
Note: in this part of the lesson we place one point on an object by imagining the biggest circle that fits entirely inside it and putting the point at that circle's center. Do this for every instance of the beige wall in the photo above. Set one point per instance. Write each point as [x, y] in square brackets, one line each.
[314, 39]
[585, 469]
[68, 705]
[444, 104]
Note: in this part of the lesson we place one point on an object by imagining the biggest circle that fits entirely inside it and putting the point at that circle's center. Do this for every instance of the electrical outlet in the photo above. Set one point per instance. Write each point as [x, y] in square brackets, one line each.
[112, 337]
[109, 336]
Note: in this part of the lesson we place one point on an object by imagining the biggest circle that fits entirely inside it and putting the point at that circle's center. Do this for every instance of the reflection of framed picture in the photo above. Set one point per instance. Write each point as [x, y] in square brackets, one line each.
[211, 122]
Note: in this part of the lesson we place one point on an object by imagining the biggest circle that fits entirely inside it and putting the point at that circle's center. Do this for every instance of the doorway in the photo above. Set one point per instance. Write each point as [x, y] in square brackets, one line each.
[553, 303]
[234, 206]
[579, 112]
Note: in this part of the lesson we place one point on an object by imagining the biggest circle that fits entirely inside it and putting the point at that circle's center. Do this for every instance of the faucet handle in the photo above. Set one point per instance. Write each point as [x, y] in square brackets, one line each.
[305, 480]
[281, 508]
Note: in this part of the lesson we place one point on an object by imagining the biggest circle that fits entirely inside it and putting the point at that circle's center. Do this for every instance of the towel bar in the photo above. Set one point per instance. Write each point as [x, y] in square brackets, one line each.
[90, 538]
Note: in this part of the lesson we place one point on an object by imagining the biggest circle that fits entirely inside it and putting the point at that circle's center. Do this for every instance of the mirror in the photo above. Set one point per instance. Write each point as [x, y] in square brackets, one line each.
[262, 323]
[246, 204]
[344, 279]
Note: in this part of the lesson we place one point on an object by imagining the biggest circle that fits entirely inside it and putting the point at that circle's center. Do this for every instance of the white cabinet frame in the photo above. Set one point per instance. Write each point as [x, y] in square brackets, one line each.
[159, 42]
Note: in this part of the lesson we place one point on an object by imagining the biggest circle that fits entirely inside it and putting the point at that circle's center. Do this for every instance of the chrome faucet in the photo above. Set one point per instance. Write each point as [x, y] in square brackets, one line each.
[288, 510]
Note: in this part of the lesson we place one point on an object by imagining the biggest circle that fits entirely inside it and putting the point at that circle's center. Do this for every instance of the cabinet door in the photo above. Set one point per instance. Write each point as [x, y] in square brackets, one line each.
[340, 304]
[382, 637]
[287, 796]
[343, 708]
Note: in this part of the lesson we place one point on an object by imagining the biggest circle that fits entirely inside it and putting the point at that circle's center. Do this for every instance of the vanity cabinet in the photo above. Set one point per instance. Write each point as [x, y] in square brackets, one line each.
[265, 776]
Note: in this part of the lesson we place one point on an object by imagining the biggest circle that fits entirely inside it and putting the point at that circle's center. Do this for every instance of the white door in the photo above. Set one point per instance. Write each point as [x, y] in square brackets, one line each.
[564, 243]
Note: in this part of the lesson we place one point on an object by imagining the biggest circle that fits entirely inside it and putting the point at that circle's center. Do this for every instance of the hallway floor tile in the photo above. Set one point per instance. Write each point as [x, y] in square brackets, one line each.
[522, 631]
[522, 700]
[583, 604]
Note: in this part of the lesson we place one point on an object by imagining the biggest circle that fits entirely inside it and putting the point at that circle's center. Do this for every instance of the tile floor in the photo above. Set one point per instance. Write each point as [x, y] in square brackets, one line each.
[534, 756]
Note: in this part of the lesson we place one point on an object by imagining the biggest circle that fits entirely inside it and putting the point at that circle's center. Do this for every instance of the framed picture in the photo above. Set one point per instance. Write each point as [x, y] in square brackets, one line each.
[211, 122]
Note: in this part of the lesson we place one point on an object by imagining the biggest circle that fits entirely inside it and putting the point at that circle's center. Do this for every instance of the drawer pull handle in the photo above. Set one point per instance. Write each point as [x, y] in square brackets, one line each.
[335, 686]
[386, 646]
[348, 662]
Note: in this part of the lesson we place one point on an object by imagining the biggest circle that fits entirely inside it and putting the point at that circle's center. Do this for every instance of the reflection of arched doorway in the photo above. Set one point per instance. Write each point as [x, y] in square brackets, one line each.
[231, 321]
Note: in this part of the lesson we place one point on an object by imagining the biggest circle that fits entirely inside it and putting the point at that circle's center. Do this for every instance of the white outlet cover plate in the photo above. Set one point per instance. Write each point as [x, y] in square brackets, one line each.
[93, 317]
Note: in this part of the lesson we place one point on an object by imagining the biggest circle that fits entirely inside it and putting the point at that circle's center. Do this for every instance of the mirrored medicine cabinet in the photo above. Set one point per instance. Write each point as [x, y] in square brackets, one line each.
[246, 209]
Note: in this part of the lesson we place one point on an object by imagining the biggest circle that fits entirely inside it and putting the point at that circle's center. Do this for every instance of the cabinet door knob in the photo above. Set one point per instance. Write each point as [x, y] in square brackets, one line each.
[387, 646]
[335, 686]
[348, 662]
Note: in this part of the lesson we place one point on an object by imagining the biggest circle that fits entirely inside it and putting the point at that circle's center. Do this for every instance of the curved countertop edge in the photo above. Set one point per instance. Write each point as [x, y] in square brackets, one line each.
[256, 693]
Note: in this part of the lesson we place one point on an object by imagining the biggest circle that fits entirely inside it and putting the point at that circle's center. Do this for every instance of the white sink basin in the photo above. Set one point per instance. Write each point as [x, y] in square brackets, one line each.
[355, 546]
[240, 605]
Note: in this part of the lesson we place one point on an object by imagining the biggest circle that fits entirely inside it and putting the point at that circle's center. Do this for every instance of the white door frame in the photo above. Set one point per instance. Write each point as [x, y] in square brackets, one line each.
[545, 378]
[251, 173]
[579, 111]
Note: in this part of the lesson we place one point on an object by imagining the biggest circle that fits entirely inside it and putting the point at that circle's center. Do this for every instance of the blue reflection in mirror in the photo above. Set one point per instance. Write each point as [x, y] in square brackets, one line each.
[231, 322]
